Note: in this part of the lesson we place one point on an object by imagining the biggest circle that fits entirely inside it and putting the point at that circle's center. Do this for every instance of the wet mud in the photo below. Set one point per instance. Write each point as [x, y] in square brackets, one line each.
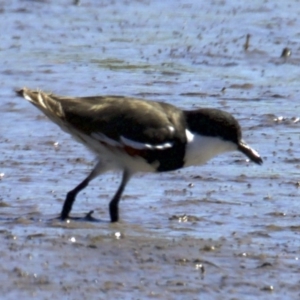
[226, 230]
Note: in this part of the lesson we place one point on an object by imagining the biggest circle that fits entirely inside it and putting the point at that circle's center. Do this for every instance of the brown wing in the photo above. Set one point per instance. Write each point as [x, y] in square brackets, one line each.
[137, 120]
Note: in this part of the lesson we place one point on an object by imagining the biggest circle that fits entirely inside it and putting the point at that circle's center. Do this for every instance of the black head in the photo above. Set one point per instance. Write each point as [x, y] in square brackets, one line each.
[217, 123]
[214, 123]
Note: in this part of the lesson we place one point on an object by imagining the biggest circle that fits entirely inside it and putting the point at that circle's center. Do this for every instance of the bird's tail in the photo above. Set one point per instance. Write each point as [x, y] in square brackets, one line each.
[48, 103]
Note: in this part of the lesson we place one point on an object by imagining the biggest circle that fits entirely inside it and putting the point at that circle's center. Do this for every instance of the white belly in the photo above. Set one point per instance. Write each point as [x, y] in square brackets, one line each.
[114, 156]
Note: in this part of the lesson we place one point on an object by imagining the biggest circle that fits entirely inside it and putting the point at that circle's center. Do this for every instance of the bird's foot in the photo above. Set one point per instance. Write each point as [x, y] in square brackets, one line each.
[88, 217]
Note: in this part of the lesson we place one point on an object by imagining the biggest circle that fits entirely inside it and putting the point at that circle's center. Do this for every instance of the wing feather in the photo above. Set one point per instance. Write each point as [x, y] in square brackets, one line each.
[136, 123]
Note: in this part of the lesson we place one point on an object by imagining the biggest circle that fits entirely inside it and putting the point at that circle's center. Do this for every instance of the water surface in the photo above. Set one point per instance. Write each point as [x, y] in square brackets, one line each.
[226, 230]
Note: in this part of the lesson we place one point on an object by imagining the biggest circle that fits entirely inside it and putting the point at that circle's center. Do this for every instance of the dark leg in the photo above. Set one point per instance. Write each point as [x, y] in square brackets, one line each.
[114, 203]
[71, 196]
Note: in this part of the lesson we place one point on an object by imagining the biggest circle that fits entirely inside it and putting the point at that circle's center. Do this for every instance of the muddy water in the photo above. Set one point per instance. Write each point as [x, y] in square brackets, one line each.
[227, 230]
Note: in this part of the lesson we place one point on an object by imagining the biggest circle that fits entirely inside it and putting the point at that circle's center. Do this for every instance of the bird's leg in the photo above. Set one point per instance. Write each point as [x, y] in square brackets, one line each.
[71, 196]
[114, 203]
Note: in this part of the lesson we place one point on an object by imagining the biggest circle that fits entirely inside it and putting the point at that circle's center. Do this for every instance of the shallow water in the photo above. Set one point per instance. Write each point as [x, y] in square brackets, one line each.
[226, 230]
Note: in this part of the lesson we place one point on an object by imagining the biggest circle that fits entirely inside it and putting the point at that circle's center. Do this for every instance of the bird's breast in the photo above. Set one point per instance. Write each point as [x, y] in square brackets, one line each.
[200, 149]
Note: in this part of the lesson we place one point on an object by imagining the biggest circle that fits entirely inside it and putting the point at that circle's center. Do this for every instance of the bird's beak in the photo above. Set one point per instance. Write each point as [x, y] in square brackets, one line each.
[250, 153]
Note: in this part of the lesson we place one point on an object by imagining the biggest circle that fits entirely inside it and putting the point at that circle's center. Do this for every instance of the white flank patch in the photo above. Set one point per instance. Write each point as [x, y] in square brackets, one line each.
[189, 136]
[127, 142]
[114, 157]
[200, 149]
[142, 146]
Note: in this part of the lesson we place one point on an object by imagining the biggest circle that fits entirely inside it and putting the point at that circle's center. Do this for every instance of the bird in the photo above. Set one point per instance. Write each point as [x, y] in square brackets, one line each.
[133, 135]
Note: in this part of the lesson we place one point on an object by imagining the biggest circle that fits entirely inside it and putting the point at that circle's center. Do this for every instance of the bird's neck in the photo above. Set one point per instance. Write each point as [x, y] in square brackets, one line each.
[200, 148]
